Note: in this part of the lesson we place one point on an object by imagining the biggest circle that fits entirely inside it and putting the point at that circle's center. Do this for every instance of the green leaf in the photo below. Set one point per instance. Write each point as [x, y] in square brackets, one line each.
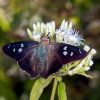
[4, 21]
[38, 87]
[4, 78]
[6, 93]
[86, 75]
[62, 91]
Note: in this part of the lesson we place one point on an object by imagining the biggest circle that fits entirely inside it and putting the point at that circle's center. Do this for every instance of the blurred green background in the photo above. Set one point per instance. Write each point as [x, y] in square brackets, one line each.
[17, 15]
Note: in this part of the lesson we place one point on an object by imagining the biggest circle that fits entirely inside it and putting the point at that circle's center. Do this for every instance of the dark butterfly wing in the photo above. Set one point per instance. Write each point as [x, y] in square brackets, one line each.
[40, 59]
[17, 50]
[60, 54]
[21, 52]
[68, 53]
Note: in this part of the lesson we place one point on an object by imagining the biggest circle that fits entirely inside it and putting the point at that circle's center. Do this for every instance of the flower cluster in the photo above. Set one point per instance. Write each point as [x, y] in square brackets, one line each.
[68, 35]
[41, 29]
[65, 34]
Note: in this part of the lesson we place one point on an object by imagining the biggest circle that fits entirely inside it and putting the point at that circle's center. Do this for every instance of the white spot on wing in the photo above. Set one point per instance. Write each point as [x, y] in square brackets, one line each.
[65, 48]
[20, 50]
[71, 54]
[65, 53]
[14, 50]
[22, 45]
[8, 46]
[79, 51]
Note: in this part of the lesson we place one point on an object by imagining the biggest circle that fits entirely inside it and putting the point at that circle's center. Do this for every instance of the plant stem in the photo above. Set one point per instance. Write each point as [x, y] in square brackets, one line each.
[54, 89]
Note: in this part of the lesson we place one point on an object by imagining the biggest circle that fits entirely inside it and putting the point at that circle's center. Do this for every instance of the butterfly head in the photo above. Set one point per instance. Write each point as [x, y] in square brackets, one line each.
[45, 41]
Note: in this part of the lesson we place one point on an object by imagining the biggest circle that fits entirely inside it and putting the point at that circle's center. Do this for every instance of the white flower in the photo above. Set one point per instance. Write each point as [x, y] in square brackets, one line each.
[68, 35]
[65, 33]
[64, 26]
[72, 37]
[40, 29]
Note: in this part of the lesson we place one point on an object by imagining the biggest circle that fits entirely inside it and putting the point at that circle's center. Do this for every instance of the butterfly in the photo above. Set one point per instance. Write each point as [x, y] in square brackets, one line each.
[42, 58]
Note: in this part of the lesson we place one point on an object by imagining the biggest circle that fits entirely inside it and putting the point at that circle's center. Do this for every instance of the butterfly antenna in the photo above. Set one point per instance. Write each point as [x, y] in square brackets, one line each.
[48, 35]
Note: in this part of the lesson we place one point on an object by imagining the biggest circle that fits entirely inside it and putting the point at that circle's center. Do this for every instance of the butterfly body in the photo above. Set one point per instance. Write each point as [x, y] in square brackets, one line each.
[42, 58]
